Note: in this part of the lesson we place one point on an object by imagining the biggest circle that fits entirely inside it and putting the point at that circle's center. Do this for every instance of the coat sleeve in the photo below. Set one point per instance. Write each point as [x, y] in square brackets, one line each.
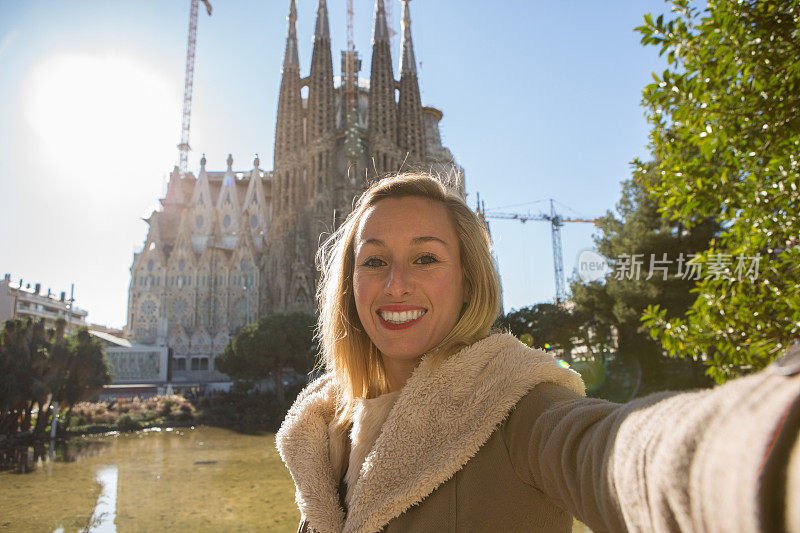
[725, 459]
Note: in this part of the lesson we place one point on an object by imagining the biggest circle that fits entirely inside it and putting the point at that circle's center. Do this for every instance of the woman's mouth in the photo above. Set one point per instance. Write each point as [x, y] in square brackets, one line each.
[400, 319]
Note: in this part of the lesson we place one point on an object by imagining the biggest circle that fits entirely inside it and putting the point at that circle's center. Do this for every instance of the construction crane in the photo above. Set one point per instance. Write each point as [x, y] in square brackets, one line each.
[350, 91]
[188, 84]
[556, 222]
[390, 23]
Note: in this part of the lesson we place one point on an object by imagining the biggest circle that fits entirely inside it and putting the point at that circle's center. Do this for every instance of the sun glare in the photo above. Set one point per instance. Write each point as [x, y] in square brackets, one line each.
[100, 117]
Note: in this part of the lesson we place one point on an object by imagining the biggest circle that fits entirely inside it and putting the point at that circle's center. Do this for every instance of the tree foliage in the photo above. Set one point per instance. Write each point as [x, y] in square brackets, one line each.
[725, 134]
[39, 367]
[557, 328]
[656, 250]
[264, 349]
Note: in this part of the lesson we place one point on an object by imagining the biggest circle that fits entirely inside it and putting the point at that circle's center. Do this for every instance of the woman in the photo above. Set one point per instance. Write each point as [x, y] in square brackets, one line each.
[427, 421]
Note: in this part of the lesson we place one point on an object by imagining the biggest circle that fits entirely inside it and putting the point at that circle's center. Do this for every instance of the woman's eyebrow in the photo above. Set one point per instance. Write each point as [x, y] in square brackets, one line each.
[423, 240]
[415, 240]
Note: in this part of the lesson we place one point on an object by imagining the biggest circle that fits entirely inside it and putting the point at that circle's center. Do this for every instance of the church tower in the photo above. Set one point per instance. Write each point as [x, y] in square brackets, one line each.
[410, 125]
[383, 155]
[321, 107]
[228, 247]
[289, 138]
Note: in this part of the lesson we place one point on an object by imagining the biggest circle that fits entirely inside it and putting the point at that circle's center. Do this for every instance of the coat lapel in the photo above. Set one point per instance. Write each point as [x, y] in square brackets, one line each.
[302, 442]
[443, 415]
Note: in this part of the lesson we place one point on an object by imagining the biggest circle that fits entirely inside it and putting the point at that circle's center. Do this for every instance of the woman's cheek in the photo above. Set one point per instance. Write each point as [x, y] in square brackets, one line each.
[361, 294]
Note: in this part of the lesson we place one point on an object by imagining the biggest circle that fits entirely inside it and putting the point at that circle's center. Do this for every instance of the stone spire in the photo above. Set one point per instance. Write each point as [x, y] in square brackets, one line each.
[411, 128]
[380, 32]
[290, 55]
[382, 105]
[322, 30]
[321, 95]
[408, 63]
[289, 123]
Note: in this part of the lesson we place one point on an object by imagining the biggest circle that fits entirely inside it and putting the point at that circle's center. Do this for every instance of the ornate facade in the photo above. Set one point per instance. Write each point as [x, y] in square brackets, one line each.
[227, 247]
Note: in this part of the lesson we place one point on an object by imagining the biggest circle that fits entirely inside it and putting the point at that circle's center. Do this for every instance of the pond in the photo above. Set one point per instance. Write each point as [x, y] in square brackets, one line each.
[183, 479]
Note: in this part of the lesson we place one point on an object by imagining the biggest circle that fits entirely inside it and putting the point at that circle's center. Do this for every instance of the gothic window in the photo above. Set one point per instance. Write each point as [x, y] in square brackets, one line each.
[180, 363]
[179, 312]
[219, 314]
[240, 313]
[228, 198]
[205, 312]
[199, 221]
[150, 265]
[243, 265]
[182, 265]
[149, 309]
[199, 363]
[255, 199]
[227, 221]
[146, 325]
[254, 221]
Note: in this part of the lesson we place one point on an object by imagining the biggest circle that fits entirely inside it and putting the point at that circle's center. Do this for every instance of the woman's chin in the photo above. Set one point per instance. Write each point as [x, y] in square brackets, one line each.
[402, 351]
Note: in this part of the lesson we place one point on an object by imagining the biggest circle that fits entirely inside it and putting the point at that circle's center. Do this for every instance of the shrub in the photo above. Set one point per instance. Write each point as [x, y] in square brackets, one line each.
[165, 406]
[123, 406]
[127, 423]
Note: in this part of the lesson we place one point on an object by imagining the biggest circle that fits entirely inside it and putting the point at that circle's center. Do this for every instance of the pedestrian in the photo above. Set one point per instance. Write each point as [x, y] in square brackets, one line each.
[427, 420]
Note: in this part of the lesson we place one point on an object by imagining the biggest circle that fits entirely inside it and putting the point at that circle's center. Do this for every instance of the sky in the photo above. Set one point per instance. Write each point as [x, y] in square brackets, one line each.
[541, 100]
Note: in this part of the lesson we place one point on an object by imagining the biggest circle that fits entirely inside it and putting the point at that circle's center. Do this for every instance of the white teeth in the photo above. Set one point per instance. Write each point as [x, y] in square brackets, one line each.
[401, 317]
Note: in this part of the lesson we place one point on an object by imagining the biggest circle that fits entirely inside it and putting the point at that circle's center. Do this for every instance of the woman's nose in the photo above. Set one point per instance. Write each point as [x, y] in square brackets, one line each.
[399, 282]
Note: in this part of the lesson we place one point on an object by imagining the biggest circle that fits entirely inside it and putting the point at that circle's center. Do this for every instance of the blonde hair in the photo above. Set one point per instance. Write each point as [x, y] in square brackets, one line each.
[347, 351]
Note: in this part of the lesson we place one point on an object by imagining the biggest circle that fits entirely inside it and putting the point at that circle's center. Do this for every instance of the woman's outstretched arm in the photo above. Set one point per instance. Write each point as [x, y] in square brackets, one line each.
[725, 459]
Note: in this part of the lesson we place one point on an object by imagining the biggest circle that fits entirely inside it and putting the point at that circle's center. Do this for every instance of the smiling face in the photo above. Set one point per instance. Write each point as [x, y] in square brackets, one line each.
[407, 280]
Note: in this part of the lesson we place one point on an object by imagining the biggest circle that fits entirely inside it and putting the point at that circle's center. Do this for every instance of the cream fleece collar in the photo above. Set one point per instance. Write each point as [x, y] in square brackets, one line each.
[443, 415]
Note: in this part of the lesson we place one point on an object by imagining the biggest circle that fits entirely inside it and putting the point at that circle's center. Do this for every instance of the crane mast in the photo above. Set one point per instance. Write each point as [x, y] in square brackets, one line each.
[556, 223]
[188, 84]
[350, 93]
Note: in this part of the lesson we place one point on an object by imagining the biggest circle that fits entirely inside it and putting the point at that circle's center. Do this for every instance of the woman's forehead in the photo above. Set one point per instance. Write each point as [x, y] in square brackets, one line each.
[406, 219]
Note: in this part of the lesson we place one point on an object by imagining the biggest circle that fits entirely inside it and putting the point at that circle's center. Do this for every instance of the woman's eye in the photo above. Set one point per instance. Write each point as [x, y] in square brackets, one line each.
[373, 262]
[427, 259]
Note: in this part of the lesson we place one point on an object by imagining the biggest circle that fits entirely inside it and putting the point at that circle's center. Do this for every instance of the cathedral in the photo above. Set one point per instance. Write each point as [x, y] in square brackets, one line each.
[227, 247]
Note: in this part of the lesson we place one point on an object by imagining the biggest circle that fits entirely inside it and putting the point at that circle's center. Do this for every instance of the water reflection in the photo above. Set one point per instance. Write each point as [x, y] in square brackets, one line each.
[204, 479]
[26, 459]
[105, 512]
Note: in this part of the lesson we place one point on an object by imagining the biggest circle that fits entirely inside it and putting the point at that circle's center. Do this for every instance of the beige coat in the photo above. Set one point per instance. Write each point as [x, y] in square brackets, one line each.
[499, 438]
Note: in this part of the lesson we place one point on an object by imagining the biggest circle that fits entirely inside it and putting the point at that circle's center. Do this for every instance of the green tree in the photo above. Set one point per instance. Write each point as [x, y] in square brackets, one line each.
[559, 328]
[23, 352]
[39, 367]
[642, 241]
[86, 371]
[266, 348]
[725, 133]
